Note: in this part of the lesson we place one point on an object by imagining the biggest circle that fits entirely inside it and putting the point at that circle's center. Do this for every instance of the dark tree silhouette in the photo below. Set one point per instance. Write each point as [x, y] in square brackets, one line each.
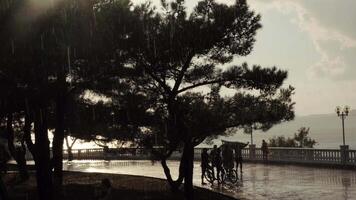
[300, 140]
[36, 61]
[178, 52]
[62, 56]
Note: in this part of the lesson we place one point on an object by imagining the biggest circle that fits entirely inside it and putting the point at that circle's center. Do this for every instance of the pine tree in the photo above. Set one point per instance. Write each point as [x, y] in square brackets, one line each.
[179, 52]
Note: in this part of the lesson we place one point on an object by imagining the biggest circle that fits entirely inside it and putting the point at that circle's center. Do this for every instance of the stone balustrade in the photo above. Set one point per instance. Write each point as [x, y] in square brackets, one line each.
[342, 156]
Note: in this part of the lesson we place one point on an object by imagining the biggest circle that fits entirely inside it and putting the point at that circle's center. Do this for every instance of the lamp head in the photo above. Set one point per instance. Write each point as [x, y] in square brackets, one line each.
[346, 110]
[337, 110]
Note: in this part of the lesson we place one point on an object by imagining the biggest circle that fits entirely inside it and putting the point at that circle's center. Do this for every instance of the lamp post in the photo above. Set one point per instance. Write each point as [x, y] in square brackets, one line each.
[342, 114]
[344, 149]
[250, 131]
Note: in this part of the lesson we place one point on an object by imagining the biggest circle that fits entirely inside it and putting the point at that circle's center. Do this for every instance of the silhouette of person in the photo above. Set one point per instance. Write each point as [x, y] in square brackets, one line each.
[238, 158]
[218, 164]
[228, 158]
[213, 153]
[204, 164]
[264, 149]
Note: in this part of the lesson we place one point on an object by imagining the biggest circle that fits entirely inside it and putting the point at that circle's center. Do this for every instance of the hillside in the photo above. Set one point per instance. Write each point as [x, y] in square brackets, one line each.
[326, 129]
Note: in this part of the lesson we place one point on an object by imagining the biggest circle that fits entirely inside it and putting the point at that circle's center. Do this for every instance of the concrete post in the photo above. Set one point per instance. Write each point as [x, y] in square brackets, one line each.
[252, 151]
[344, 151]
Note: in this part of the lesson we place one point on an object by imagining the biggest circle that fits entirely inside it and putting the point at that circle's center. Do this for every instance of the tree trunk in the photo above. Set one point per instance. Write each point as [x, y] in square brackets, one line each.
[185, 171]
[188, 170]
[69, 148]
[70, 154]
[174, 184]
[3, 190]
[42, 158]
[27, 134]
[58, 141]
[17, 153]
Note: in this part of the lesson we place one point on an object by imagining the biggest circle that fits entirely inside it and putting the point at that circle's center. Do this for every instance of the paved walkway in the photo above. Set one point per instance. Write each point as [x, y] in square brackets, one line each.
[258, 181]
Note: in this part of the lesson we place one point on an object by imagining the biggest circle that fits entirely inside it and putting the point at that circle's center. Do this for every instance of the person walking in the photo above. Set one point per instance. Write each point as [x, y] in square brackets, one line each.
[264, 149]
[204, 164]
[238, 158]
[213, 153]
[228, 158]
[218, 164]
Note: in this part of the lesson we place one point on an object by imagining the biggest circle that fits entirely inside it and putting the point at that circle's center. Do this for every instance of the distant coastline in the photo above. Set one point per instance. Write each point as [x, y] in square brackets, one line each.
[324, 128]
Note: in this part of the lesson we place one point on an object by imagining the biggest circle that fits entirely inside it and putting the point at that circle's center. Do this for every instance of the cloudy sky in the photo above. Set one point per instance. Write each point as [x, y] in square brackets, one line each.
[315, 40]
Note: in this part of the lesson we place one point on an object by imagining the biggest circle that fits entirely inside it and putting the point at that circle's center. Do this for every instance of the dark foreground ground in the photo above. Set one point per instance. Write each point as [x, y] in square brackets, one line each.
[79, 186]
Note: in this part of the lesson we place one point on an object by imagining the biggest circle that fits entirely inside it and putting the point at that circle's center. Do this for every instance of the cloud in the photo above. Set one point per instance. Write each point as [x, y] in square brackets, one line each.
[311, 20]
[332, 67]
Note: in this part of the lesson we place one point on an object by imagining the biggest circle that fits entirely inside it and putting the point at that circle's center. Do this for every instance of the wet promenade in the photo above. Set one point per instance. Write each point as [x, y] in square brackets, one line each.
[258, 181]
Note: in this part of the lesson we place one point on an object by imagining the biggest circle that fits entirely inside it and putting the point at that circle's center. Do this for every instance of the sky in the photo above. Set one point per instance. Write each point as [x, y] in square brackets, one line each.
[315, 40]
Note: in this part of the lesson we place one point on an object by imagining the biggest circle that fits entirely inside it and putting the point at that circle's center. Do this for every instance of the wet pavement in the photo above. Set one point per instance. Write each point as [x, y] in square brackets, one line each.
[258, 181]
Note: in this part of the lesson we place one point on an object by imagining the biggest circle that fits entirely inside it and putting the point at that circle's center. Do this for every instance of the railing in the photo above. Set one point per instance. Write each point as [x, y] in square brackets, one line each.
[278, 155]
[303, 156]
[299, 155]
[352, 157]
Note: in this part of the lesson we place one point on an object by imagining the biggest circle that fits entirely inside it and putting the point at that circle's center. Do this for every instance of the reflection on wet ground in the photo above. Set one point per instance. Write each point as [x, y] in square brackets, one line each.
[258, 181]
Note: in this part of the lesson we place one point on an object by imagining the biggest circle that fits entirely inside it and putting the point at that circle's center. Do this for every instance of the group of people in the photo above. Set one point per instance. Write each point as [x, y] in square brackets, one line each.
[221, 160]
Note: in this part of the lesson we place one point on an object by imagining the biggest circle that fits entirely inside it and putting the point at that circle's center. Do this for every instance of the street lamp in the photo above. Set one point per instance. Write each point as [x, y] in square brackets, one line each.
[250, 130]
[342, 114]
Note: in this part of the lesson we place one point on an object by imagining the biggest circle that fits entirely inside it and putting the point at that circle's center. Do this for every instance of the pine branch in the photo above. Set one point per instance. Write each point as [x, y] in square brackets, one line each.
[183, 72]
[201, 84]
